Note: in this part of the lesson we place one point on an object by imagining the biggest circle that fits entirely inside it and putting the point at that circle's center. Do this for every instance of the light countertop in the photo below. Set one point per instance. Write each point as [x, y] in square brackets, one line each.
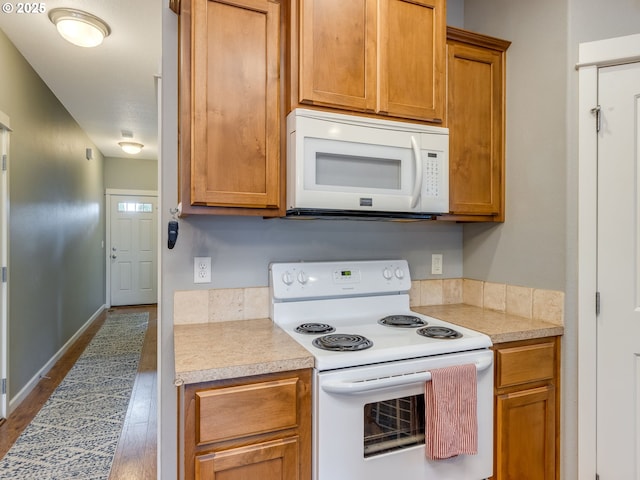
[501, 327]
[222, 350]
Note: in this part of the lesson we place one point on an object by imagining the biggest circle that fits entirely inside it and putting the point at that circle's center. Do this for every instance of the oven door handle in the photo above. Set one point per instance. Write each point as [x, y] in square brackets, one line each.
[367, 385]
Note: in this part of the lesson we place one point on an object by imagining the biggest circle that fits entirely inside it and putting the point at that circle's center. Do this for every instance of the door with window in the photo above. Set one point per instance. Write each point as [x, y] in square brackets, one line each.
[132, 249]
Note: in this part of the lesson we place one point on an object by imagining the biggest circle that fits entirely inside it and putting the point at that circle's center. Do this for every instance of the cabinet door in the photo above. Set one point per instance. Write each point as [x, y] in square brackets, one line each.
[232, 56]
[338, 53]
[277, 460]
[412, 59]
[525, 435]
[475, 114]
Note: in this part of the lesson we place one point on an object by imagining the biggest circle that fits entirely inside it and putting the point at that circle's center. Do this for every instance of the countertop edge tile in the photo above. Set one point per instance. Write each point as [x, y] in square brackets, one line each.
[240, 371]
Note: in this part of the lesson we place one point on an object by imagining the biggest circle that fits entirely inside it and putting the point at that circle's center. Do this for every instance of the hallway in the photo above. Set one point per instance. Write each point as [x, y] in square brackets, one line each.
[135, 457]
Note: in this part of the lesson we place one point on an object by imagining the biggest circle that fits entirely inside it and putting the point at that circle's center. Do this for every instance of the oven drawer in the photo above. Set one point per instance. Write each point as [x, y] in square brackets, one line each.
[525, 363]
[233, 412]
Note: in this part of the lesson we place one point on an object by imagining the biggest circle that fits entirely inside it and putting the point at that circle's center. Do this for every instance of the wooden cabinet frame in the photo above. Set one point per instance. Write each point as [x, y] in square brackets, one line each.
[476, 111]
[527, 410]
[372, 65]
[215, 176]
[258, 422]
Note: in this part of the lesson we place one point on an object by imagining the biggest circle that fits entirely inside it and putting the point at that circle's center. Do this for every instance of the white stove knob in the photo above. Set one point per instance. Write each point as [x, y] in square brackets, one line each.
[399, 273]
[387, 273]
[302, 278]
[287, 278]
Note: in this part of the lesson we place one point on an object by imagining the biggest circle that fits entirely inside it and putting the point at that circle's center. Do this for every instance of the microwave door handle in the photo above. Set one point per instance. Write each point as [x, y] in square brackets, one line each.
[417, 184]
[362, 386]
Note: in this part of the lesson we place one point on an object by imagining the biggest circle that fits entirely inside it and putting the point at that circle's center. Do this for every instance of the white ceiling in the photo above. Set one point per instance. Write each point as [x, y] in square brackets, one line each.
[106, 89]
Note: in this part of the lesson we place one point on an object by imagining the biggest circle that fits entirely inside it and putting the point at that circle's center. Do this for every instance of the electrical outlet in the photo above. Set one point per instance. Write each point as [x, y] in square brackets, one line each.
[436, 264]
[201, 269]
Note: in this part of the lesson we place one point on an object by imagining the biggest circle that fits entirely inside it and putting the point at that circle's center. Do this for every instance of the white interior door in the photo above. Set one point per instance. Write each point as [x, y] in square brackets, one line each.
[4, 231]
[132, 251]
[618, 277]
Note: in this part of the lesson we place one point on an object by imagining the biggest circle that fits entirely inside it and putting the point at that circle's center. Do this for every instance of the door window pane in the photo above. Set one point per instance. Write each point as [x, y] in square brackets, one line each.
[133, 207]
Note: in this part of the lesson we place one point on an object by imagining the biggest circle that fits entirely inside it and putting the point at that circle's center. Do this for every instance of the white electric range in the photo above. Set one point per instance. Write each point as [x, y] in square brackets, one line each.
[372, 359]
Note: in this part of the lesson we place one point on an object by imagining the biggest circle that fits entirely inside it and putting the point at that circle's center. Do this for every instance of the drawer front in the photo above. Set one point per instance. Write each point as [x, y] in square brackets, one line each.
[234, 412]
[526, 363]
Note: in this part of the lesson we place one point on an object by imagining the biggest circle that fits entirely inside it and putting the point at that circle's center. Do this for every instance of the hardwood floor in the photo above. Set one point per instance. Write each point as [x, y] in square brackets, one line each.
[135, 457]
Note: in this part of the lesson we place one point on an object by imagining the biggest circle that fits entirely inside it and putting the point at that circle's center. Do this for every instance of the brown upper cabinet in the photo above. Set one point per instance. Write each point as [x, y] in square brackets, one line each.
[230, 107]
[244, 64]
[476, 121]
[384, 57]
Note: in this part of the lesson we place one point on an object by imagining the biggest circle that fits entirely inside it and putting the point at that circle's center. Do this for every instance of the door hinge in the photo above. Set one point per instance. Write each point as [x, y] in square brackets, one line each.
[4, 162]
[4, 386]
[4, 274]
[597, 112]
[597, 303]
[597, 477]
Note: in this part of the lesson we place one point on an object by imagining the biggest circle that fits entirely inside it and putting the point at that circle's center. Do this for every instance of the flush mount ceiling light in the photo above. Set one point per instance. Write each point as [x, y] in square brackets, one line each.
[78, 27]
[131, 147]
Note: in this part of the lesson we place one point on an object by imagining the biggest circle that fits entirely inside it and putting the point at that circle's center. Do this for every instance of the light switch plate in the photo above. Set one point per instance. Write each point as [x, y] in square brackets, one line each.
[436, 264]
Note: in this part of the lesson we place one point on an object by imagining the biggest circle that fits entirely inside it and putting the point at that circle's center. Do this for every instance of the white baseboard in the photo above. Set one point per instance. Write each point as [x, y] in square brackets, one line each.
[31, 384]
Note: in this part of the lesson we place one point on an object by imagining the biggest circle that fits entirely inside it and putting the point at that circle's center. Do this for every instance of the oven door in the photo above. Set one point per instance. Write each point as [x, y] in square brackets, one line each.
[369, 422]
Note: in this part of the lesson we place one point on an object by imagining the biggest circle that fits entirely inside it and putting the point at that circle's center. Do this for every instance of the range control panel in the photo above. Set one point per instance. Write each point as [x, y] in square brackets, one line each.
[291, 281]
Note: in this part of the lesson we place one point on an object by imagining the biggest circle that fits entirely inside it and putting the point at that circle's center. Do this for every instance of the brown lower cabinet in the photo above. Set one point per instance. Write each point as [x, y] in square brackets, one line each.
[254, 427]
[527, 400]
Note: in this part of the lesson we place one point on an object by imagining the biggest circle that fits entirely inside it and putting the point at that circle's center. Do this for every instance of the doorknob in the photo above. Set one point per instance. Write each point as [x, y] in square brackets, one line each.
[114, 256]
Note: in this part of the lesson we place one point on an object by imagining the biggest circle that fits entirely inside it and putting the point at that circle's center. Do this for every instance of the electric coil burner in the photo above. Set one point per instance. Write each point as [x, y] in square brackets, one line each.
[315, 328]
[403, 321]
[341, 342]
[439, 331]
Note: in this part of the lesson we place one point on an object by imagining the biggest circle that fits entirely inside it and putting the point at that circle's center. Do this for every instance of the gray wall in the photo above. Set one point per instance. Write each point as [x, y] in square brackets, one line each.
[130, 173]
[535, 147]
[537, 246]
[56, 224]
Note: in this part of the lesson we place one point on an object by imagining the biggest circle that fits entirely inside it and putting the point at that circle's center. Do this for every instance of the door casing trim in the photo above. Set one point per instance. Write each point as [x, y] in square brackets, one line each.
[591, 56]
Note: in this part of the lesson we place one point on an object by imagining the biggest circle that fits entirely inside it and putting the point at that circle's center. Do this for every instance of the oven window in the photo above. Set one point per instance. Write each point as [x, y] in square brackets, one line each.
[393, 425]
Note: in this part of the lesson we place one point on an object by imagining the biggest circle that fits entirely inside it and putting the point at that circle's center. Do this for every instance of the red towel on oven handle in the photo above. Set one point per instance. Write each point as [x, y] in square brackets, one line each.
[451, 414]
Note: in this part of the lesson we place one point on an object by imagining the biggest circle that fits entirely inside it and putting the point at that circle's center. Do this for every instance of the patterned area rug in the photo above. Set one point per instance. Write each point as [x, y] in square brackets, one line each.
[75, 434]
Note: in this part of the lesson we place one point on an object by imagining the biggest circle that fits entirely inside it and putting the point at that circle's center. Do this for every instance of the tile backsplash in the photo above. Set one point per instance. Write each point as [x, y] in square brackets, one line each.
[547, 305]
[221, 305]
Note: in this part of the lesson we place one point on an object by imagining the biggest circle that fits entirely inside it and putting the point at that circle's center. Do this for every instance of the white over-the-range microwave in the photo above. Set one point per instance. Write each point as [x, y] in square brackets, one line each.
[354, 166]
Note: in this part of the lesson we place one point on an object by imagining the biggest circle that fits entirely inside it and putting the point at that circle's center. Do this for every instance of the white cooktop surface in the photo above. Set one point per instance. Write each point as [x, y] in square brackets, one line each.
[352, 297]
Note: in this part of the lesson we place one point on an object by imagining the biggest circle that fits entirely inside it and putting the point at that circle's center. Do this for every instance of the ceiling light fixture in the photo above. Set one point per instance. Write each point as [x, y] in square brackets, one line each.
[131, 147]
[78, 27]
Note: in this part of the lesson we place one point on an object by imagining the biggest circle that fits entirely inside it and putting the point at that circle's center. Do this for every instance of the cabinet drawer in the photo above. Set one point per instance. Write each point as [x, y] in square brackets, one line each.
[234, 412]
[275, 460]
[526, 363]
